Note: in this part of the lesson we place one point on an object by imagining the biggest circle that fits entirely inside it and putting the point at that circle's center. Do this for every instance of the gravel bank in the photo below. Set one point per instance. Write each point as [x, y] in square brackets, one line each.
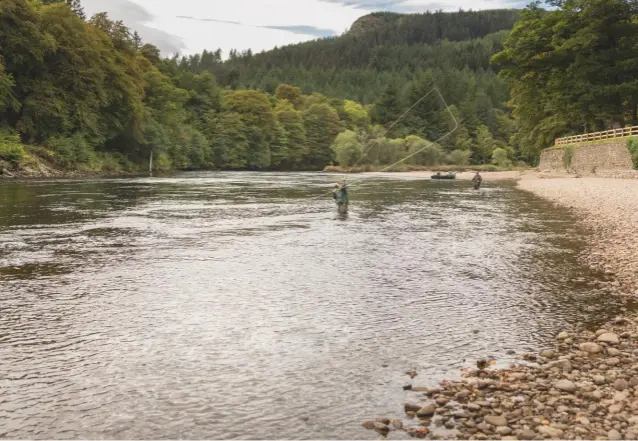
[609, 209]
[584, 387]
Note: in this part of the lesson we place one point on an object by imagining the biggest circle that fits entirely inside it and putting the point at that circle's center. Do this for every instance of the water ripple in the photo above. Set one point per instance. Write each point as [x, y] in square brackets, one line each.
[234, 305]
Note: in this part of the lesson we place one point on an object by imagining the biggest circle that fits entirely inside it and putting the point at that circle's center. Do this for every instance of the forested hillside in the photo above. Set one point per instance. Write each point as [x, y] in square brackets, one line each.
[87, 94]
[387, 62]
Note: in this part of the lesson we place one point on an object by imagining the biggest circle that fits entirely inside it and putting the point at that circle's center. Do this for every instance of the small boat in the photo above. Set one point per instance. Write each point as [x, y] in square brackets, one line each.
[447, 176]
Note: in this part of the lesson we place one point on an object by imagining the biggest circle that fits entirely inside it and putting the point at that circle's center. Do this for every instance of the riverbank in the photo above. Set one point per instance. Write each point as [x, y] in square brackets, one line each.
[585, 386]
[609, 211]
[427, 169]
[465, 175]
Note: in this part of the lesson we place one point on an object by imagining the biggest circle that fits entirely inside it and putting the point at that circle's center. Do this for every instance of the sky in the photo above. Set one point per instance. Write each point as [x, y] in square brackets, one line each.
[190, 26]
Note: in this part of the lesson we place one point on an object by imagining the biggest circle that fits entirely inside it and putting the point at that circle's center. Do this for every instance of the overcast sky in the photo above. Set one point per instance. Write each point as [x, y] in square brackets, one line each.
[190, 26]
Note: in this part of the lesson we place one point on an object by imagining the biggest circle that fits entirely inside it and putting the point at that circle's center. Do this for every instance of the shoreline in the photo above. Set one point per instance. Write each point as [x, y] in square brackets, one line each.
[585, 386]
[608, 209]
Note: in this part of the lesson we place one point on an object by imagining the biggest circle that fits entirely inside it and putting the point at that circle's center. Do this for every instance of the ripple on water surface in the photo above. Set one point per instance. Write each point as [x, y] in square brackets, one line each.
[240, 305]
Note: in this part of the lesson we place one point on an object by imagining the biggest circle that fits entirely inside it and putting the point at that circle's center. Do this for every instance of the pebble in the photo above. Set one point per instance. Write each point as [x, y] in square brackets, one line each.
[552, 432]
[526, 434]
[426, 411]
[496, 420]
[368, 424]
[565, 385]
[562, 335]
[590, 347]
[614, 435]
[547, 353]
[609, 337]
[621, 384]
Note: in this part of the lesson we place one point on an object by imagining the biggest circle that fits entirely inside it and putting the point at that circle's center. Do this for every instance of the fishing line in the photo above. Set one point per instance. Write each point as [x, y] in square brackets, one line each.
[447, 107]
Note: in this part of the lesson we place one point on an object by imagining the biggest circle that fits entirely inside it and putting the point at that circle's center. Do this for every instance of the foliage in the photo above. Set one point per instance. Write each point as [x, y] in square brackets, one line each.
[386, 63]
[568, 154]
[347, 148]
[92, 95]
[11, 150]
[572, 68]
[632, 146]
[500, 157]
[459, 157]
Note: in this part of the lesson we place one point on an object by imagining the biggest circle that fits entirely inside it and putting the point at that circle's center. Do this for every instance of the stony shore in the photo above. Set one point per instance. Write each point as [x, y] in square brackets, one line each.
[609, 210]
[584, 387]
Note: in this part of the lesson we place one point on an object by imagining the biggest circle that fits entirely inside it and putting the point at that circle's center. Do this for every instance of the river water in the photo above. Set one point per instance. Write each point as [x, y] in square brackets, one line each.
[241, 305]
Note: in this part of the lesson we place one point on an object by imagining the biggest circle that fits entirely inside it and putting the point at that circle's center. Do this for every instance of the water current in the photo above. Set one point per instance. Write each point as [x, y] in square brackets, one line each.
[242, 305]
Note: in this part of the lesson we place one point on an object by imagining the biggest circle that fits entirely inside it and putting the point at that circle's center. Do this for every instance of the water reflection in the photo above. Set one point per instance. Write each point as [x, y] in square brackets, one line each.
[242, 305]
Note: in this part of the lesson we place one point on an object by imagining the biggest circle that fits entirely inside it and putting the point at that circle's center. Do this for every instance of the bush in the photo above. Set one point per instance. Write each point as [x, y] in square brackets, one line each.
[347, 148]
[632, 146]
[500, 158]
[459, 157]
[568, 153]
[71, 151]
[424, 152]
[11, 149]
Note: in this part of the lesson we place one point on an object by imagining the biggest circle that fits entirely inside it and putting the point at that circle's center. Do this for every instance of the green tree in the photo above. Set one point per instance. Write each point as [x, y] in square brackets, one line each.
[423, 152]
[357, 116]
[459, 157]
[388, 108]
[484, 145]
[500, 158]
[259, 122]
[322, 126]
[292, 125]
[572, 67]
[290, 93]
[347, 148]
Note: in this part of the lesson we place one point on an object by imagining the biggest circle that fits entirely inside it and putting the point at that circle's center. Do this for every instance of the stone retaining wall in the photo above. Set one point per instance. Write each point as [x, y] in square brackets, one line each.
[590, 158]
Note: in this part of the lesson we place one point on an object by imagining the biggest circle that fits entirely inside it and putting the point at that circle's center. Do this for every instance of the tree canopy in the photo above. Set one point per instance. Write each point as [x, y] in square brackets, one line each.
[88, 93]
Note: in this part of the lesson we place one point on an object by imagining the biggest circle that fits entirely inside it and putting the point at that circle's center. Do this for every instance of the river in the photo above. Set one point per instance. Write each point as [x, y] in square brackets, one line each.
[241, 305]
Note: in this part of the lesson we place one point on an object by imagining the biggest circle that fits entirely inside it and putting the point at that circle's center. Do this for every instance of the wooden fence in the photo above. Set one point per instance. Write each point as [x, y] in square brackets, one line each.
[597, 136]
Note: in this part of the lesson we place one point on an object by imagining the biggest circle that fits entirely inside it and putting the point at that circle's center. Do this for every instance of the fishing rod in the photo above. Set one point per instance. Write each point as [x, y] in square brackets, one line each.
[363, 154]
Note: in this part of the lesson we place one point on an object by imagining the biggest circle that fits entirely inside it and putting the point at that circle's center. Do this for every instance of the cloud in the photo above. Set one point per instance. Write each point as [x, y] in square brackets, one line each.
[255, 24]
[427, 5]
[137, 18]
[305, 30]
[295, 29]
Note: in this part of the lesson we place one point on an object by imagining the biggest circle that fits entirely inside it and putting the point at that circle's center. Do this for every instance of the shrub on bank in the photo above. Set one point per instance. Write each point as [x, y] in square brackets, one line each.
[11, 149]
[632, 145]
[568, 153]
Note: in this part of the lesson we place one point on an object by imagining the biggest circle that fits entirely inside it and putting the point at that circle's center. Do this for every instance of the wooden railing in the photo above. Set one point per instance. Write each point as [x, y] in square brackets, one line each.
[597, 136]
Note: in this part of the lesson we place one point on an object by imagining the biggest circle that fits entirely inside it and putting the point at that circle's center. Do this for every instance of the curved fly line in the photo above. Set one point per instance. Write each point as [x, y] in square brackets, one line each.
[364, 153]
